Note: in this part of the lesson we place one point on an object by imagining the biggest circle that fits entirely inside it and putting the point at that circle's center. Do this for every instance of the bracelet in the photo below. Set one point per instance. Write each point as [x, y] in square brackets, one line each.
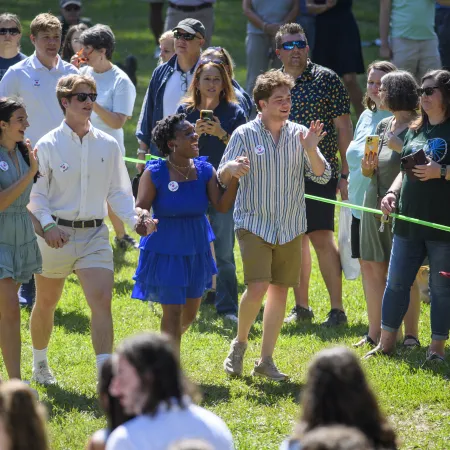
[391, 192]
[223, 186]
[141, 151]
[344, 176]
[49, 227]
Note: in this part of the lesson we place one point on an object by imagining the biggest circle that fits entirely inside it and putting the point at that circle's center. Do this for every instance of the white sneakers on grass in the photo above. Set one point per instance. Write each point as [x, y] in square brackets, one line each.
[43, 375]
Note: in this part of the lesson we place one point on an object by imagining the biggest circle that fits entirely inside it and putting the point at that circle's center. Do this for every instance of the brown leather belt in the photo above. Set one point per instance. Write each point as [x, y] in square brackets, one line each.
[94, 223]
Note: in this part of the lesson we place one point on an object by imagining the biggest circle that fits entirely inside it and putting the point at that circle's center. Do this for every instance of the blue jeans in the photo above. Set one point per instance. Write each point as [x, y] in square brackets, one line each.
[226, 290]
[407, 256]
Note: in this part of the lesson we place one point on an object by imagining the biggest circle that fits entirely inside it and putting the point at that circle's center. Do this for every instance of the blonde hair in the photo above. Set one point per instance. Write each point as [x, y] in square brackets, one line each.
[166, 35]
[45, 22]
[67, 85]
[23, 416]
[13, 18]
[193, 96]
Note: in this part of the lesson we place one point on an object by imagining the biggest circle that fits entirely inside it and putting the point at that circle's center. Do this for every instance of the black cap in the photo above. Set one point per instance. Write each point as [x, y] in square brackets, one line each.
[191, 26]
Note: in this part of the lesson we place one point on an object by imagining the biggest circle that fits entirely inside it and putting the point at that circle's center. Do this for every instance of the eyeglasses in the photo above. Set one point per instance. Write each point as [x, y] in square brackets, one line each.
[428, 91]
[291, 44]
[184, 36]
[11, 31]
[83, 96]
[214, 61]
[70, 8]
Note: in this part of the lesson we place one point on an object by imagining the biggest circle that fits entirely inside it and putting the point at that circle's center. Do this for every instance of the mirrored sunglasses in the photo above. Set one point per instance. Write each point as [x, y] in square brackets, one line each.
[291, 44]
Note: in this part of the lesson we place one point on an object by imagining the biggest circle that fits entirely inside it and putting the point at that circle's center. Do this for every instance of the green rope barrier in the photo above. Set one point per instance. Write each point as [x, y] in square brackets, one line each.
[376, 211]
[438, 226]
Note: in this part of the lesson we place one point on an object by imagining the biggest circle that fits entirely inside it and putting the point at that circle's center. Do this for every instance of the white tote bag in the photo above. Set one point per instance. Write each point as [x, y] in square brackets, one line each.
[350, 266]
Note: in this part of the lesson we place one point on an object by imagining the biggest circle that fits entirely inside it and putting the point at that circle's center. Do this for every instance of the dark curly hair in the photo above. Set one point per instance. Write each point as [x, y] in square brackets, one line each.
[8, 106]
[337, 393]
[164, 131]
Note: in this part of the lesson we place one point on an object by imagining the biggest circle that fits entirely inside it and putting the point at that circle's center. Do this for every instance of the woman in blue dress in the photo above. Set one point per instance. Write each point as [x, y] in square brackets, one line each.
[19, 253]
[175, 263]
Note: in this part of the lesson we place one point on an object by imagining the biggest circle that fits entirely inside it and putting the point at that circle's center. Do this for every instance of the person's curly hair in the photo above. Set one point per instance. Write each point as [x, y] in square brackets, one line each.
[165, 130]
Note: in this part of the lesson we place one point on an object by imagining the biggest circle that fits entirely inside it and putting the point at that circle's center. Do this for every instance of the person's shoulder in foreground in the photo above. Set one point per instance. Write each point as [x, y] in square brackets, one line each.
[158, 432]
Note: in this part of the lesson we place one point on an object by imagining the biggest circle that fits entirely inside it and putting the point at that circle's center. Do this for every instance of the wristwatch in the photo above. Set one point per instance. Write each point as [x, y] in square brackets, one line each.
[443, 172]
[344, 176]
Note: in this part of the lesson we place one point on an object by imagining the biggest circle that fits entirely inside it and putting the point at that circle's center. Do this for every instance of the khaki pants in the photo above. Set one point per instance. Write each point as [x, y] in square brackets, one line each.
[206, 17]
[416, 57]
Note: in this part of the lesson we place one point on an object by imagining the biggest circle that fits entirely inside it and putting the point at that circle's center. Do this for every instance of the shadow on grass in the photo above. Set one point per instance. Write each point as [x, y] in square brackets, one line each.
[268, 392]
[119, 259]
[123, 287]
[213, 394]
[62, 400]
[72, 321]
[324, 333]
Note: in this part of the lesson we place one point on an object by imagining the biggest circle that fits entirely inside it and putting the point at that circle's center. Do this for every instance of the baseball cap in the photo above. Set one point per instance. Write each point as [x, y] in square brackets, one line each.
[64, 3]
[191, 26]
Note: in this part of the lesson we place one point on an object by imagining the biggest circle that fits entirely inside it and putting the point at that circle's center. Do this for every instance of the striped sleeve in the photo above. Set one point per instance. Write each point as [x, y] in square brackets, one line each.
[234, 149]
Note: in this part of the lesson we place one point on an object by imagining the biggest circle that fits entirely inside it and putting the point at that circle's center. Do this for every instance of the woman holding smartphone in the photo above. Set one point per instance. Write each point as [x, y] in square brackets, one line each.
[398, 94]
[421, 194]
[211, 104]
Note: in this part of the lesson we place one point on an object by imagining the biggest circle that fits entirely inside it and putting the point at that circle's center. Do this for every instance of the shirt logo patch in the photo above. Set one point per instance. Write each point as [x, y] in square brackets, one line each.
[173, 186]
[259, 149]
[63, 167]
[36, 83]
[4, 166]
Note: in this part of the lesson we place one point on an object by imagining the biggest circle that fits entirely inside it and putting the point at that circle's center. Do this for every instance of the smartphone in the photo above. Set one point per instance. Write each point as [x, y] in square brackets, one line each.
[206, 114]
[371, 144]
[81, 59]
[320, 2]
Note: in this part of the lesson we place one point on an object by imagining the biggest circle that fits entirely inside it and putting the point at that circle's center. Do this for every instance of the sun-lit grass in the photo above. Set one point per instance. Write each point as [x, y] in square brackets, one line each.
[258, 413]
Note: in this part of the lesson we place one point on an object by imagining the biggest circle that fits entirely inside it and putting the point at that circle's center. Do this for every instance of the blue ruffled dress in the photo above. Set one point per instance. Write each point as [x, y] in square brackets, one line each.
[176, 262]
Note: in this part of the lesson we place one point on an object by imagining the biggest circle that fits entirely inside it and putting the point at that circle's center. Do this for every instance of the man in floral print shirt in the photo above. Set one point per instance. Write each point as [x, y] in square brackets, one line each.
[319, 94]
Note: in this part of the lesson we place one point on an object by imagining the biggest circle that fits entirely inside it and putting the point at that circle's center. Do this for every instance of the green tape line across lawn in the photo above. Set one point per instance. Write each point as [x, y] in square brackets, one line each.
[334, 202]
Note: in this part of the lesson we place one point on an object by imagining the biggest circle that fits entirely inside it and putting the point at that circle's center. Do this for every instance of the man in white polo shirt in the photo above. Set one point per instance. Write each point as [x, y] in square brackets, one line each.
[88, 160]
[34, 80]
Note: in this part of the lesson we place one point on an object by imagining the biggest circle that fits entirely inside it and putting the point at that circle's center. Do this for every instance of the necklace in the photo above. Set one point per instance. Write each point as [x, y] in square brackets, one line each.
[429, 130]
[180, 167]
[182, 174]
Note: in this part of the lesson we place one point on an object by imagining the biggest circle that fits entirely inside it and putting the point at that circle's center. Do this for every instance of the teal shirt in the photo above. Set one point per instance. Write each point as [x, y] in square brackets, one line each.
[413, 19]
[358, 183]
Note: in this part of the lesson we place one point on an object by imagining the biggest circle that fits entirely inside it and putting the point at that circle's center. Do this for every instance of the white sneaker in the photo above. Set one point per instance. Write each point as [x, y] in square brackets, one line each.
[231, 317]
[43, 375]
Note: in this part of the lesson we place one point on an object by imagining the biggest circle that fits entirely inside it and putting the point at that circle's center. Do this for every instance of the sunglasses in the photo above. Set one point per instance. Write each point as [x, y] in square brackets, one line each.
[428, 91]
[11, 31]
[214, 61]
[82, 97]
[291, 44]
[184, 36]
[70, 8]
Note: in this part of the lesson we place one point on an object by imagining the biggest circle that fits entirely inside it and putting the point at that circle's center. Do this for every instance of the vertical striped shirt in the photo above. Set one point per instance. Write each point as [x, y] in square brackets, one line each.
[270, 201]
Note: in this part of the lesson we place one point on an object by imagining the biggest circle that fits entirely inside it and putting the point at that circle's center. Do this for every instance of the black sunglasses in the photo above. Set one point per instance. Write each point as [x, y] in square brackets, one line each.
[427, 91]
[291, 44]
[184, 36]
[82, 97]
[72, 8]
[11, 31]
[214, 61]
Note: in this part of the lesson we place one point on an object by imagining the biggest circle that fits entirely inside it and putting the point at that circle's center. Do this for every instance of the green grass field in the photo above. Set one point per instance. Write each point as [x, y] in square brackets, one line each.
[260, 414]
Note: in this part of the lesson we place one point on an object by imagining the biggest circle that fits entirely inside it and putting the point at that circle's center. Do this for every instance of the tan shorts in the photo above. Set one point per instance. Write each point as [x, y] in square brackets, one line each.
[275, 263]
[87, 248]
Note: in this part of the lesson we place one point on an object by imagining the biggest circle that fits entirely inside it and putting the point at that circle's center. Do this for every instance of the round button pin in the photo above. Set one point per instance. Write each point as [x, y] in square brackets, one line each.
[259, 149]
[173, 186]
[4, 166]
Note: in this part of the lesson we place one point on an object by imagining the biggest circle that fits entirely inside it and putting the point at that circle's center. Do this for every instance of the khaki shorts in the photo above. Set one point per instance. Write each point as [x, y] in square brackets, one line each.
[275, 263]
[87, 248]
